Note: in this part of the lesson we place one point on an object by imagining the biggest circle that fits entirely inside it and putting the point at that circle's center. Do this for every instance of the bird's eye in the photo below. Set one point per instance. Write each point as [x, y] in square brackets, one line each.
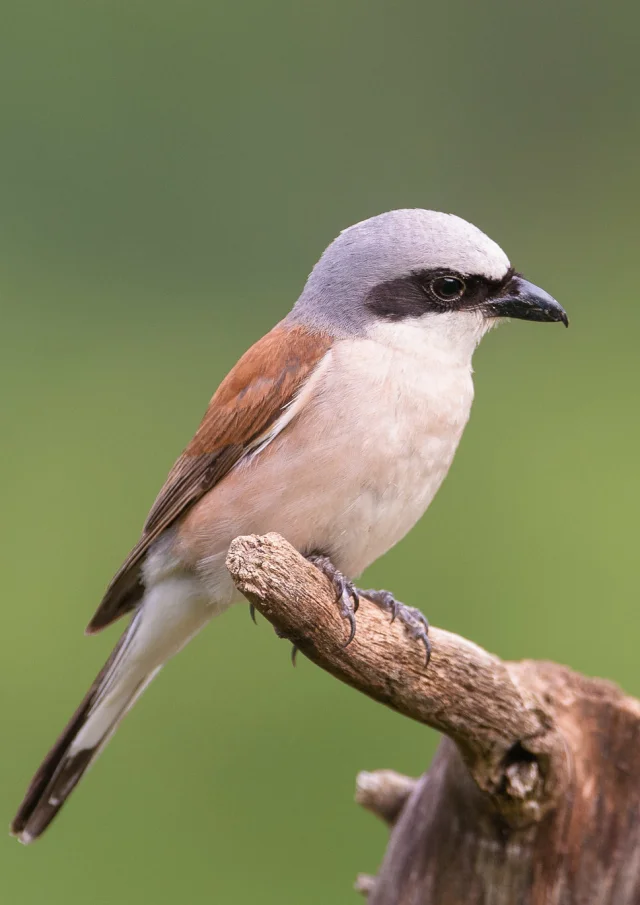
[448, 289]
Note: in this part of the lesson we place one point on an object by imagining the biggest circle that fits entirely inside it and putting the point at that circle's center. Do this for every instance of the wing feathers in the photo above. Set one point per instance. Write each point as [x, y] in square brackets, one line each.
[246, 404]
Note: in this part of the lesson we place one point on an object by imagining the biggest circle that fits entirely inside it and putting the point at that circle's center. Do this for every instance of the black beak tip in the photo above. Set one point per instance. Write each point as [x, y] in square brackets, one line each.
[528, 302]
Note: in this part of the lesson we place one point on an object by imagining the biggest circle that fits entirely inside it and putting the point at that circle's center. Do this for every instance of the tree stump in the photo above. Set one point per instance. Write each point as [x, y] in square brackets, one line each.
[533, 797]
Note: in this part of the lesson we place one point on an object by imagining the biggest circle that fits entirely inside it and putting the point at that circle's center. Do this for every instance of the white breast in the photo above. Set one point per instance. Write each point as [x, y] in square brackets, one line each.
[355, 468]
[397, 417]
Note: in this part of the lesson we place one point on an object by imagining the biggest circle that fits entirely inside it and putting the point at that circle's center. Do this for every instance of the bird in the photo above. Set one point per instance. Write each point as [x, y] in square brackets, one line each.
[335, 430]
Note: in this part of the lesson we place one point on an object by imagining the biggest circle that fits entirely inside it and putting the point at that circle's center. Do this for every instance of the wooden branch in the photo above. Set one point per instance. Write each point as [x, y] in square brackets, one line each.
[500, 725]
[533, 799]
[384, 793]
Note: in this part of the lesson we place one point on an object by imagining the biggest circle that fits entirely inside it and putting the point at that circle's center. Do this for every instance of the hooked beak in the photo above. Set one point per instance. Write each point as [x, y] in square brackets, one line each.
[523, 300]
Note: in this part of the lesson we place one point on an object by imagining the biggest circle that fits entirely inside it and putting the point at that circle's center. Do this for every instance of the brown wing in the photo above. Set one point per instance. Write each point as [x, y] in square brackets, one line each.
[247, 402]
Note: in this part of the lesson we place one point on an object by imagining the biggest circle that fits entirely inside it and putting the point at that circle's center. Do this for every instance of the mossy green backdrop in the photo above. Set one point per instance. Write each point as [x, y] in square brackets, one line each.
[170, 173]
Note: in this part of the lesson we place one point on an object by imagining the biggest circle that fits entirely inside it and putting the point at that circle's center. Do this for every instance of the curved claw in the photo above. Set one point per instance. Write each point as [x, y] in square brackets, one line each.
[347, 595]
[294, 652]
[252, 613]
[428, 647]
[352, 629]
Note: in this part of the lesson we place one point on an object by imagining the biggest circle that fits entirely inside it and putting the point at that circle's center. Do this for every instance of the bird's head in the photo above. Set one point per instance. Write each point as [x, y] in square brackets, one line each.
[418, 272]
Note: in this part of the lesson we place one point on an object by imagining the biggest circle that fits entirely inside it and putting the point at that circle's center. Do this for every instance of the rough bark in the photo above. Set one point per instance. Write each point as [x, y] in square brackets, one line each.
[533, 796]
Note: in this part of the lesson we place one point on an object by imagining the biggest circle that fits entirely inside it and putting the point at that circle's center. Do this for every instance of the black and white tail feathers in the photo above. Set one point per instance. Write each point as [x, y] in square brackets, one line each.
[112, 693]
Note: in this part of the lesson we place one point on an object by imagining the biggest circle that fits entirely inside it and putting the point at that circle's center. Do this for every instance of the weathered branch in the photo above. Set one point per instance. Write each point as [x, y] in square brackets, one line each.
[499, 724]
[384, 793]
[533, 799]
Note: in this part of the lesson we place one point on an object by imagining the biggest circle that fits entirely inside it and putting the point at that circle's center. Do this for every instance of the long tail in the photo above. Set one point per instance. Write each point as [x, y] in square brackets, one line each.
[135, 661]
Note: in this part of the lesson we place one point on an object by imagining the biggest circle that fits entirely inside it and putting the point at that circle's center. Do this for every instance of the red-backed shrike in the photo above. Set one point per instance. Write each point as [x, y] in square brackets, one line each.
[335, 429]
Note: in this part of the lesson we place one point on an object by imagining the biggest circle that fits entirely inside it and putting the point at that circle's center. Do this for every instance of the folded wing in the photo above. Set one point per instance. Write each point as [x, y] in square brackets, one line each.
[247, 403]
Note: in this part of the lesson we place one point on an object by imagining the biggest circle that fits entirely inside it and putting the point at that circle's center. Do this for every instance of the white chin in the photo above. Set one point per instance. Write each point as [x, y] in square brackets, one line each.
[451, 336]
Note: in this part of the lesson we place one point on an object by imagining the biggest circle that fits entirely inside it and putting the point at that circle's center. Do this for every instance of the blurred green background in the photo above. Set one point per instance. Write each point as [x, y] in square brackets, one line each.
[170, 173]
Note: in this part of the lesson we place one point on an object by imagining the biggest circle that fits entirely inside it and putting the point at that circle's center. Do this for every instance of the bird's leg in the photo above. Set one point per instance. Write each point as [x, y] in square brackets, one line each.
[346, 593]
[416, 625]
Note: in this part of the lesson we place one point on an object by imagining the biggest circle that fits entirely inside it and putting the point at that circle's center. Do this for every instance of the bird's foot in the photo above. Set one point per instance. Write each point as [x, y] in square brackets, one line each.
[346, 592]
[279, 633]
[294, 649]
[416, 625]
